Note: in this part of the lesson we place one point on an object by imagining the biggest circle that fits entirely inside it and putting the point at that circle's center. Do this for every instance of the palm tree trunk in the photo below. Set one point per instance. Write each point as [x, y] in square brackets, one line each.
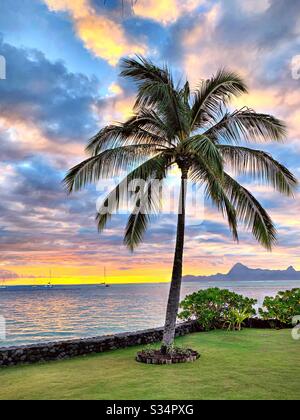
[174, 293]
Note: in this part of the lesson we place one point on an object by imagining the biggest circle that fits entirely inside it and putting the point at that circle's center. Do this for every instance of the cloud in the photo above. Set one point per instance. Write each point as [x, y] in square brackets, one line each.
[5, 275]
[255, 6]
[44, 107]
[115, 89]
[48, 112]
[228, 33]
[263, 99]
[42, 89]
[275, 24]
[103, 36]
[78, 8]
[295, 67]
[116, 106]
[165, 11]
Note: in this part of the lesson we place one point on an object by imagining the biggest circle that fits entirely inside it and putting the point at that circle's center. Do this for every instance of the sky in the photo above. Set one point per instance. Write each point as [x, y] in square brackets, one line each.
[62, 86]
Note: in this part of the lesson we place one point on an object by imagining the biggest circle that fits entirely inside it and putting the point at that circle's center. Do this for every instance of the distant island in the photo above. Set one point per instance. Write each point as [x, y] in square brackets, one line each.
[242, 272]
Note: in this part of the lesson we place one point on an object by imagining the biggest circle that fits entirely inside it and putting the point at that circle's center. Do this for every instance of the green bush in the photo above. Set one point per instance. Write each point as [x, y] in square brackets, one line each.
[214, 306]
[283, 307]
[236, 317]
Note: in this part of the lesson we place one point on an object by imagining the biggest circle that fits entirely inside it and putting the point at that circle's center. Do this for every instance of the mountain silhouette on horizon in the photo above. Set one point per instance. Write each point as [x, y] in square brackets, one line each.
[243, 273]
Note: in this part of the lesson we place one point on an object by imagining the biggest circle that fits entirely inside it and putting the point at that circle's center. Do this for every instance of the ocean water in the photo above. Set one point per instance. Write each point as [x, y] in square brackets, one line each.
[35, 315]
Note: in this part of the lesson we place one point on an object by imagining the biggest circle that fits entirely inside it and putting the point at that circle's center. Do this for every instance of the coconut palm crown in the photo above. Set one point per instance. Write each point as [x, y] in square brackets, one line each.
[193, 130]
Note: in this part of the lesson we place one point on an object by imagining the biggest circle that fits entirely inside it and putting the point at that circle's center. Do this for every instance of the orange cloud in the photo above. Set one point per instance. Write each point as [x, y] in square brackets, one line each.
[293, 124]
[25, 135]
[263, 99]
[78, 8]
[115, 89]
[101, 35]
[165, 11]
[117, 108]
[203, 55]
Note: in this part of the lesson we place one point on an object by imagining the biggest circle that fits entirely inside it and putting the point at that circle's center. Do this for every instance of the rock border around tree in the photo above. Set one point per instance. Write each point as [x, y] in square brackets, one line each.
[156, 357]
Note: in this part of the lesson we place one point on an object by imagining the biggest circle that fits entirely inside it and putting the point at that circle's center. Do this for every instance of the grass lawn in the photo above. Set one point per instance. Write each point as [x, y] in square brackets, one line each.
[251, 364]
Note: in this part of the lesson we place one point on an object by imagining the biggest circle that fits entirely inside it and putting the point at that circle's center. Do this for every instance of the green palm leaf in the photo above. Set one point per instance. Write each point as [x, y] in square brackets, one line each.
[247, 125]
[147, 171]
[260, 166]
[251, 212]
[107, 164]
[205, 149]
[201, 173]
[122, 135]
[148, 205]
[156, 90]
[213, 94]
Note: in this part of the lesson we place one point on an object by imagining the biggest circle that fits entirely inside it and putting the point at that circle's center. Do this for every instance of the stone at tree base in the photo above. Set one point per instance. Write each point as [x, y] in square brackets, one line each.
[157, 358]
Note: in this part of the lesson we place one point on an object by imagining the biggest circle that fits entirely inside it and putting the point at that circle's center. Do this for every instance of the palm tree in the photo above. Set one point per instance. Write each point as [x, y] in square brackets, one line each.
[194, 131]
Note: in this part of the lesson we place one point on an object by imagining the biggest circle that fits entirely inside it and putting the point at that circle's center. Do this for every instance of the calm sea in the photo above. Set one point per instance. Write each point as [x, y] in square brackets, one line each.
[39, 315]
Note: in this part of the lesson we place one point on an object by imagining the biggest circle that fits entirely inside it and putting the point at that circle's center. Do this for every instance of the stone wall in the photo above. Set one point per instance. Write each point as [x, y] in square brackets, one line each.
[10, 356]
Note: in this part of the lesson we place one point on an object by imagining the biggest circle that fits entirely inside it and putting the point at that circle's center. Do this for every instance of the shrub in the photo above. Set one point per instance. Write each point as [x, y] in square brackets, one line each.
[236, 317]
[283, 307]
[214, 306]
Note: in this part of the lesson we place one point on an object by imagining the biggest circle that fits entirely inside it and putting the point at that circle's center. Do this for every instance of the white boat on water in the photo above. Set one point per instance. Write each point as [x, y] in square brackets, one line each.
[2, 286]
[49, 285]
[104, 284]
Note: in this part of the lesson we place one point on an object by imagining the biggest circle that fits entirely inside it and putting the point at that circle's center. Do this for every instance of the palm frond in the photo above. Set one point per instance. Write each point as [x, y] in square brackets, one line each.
[205, 149]
[156, 90]
[142, 70]
[146, 206]
[147, 171]
[167, 103]
[185, 93]
[251, 212]
[247, 125]
[151, 121]
[107, 164]
[260, 166]
[127, 134]
[213, 94]
[201, 173]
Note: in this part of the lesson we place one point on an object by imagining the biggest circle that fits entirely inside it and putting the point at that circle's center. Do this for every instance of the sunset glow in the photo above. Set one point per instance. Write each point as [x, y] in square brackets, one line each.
[60, 91]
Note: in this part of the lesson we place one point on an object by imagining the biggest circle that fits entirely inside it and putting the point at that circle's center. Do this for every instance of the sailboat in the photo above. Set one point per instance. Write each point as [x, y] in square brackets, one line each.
[49, 285]
[2, 286]
[104, 276]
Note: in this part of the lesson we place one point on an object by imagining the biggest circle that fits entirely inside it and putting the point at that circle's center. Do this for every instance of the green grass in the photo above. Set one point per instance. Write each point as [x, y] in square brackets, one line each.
[251, 364]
